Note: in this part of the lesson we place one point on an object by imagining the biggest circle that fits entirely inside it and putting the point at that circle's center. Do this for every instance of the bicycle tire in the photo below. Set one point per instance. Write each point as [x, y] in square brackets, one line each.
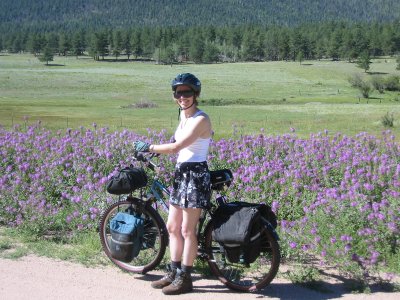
[155, 238]
[240, 276]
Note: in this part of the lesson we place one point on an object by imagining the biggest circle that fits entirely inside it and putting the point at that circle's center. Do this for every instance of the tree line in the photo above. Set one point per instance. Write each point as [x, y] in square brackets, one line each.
[211, 44]
[71, 15]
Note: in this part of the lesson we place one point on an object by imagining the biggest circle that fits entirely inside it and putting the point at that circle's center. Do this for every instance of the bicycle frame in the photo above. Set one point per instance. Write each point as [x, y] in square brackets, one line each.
[155, 190]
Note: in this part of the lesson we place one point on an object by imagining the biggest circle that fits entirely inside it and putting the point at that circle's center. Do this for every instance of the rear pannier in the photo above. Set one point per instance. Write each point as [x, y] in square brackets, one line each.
[237, 228]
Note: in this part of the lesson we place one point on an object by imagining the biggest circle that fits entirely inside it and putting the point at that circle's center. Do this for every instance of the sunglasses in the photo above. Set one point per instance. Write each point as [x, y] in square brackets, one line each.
[184, 94]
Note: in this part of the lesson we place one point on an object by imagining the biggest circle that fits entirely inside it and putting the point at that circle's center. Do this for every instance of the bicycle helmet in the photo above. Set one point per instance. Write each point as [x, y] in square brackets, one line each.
[187, 79]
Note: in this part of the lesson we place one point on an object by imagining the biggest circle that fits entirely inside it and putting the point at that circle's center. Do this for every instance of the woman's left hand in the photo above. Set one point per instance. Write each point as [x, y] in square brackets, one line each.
[141, 146]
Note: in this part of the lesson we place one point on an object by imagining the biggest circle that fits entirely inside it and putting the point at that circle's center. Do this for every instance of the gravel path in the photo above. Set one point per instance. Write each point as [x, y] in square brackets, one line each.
[34, 277]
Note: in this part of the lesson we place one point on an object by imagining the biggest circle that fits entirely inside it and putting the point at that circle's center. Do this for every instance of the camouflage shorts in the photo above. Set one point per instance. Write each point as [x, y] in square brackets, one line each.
[191, 187]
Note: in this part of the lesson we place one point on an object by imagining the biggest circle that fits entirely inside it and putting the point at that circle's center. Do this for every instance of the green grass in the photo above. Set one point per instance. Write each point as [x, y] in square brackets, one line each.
[275, 96]
[84, 248]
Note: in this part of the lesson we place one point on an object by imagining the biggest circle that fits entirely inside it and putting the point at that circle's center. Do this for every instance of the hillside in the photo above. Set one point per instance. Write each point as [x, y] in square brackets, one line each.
[55, 15]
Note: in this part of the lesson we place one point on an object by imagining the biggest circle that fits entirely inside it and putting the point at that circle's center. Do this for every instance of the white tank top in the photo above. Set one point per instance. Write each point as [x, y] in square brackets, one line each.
[198, 150]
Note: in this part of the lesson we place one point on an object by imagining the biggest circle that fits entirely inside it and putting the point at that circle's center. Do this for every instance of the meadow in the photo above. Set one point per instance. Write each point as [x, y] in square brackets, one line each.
[242, 97]
[295, 136]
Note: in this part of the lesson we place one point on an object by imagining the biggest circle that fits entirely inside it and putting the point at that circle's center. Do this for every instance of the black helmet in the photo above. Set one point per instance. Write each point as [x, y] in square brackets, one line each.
[187, 79]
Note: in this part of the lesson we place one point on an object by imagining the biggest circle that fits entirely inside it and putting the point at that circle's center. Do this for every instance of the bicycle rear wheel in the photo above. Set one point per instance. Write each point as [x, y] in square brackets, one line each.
[242, 276]
[155, 238]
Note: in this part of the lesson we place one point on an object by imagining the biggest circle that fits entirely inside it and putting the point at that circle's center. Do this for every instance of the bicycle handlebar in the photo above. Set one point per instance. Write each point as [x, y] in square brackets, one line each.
[139, 156]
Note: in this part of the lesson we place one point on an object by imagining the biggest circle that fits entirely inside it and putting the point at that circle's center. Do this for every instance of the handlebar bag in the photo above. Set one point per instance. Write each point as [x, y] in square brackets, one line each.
[127, 180]
[126, 236]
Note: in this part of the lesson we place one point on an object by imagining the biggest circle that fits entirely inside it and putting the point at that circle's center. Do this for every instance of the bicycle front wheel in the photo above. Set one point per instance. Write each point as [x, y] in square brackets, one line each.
[240, 276]
[155, 237]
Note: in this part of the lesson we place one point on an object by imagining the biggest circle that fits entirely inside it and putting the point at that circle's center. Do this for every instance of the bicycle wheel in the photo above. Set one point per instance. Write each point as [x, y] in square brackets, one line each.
[155, 238]
[243, 276]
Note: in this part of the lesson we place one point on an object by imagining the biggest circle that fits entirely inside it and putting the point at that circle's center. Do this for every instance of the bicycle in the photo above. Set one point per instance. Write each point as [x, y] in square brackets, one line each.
[239, 276]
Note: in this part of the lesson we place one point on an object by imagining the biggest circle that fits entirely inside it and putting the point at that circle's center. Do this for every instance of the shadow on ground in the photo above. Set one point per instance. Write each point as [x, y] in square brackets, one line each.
[319, 290]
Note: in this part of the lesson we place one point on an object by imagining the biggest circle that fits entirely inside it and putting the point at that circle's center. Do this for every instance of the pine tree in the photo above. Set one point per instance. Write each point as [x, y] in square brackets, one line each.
[211, 53]
[78, 43]
[364, 61]
[196, 49]
[47, 55]
[99, 45]
[118, 44]
[65, 44]
[127, 44]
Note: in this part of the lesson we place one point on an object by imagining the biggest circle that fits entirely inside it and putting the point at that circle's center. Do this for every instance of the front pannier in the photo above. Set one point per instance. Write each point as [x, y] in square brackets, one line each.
[126, 236]
[127, 180]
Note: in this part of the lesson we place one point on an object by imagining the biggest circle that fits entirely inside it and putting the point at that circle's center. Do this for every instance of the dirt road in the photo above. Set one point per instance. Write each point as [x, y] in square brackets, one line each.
[34, 277]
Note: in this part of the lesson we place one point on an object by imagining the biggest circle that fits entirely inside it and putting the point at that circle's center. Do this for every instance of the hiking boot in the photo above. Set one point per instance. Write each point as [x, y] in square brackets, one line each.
[182, 284]
[165, 281]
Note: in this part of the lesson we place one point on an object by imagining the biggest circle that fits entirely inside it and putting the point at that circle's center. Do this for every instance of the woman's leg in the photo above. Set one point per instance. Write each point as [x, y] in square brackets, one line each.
[183, 280]
[190, 219]
[174, 227]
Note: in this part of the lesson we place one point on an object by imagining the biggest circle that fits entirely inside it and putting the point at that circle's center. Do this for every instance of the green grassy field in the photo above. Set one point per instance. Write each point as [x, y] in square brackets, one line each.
[276, 96]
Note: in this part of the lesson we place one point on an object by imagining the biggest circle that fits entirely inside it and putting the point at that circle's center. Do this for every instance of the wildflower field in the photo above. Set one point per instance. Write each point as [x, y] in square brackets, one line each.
[337, 197]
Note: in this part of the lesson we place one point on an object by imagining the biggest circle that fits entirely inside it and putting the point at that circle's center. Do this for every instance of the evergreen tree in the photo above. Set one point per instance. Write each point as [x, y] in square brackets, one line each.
[78, 43]
[17, 44]
[364, 61]
[249, 47]
[271, 43]
[388, 43]
[360, 40]
[335, 43]
[348, 49]
[137, 44]
[196, 49]
[211, 53]
[165, 55]
[47, 55]
[283, 44]
[300, 56]
[36, 43]
[65, 45]
[299, 44]
[147, 41]
[127, 45]
[100, 45]
[52, 41]
[118, 43]
[375, 39]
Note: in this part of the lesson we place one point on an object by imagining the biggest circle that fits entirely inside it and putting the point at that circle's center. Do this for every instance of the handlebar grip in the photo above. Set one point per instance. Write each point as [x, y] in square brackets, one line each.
[140, 157]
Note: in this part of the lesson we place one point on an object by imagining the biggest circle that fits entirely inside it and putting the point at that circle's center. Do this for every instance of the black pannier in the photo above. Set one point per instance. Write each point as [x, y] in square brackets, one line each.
[244, 253]
[233, 223]
[237, 229]
[127, 180]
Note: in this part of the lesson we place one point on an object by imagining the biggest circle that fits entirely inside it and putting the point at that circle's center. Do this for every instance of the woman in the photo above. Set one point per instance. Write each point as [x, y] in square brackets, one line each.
[191, 188]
